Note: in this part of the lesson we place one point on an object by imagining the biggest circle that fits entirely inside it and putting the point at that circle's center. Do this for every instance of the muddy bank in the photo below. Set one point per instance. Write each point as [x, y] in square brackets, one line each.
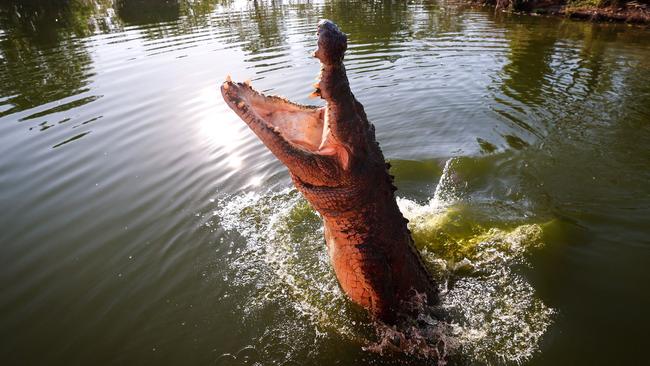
[628, 12]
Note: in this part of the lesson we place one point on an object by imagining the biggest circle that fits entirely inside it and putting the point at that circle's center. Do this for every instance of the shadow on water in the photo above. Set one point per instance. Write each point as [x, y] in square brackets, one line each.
[162, 19]
[43, 58]
[46, 65]
[144, 12]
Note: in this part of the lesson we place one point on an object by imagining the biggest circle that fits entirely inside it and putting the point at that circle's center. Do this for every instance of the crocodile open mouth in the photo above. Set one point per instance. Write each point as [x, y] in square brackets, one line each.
[289, 128]
[301, 126]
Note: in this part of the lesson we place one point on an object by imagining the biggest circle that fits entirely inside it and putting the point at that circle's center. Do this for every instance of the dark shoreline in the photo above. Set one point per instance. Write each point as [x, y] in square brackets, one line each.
[631, 12]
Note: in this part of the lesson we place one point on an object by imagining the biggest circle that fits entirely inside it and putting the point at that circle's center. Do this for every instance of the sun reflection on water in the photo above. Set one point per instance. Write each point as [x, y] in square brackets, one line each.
[219, 127]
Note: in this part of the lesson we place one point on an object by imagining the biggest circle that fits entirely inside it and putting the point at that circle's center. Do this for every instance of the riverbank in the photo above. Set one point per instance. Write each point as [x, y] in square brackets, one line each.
[625, 12]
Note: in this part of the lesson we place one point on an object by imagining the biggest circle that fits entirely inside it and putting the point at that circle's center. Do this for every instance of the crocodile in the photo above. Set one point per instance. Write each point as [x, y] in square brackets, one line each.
[335, 161]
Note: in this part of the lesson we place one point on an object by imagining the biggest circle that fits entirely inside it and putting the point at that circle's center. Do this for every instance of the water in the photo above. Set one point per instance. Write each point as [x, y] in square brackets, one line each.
[142, 223]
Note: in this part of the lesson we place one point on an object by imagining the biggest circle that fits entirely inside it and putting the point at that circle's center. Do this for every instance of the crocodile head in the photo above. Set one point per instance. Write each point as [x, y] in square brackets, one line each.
[319, 145]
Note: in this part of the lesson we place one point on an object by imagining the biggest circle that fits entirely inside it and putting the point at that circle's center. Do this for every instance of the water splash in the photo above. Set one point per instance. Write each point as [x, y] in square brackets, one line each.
[284, 256]
[474, 247]
[492, 309]
[491, 312]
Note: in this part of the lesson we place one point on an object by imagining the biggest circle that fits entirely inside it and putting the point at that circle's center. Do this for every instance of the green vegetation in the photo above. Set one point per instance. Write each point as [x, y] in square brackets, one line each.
[633, 11]
[586, 3]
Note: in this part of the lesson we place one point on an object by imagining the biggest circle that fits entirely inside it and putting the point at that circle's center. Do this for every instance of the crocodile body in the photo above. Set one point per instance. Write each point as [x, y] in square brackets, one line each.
[335, 161]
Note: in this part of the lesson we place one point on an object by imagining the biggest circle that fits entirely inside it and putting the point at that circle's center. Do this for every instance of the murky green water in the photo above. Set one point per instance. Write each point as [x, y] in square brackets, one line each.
[142, 223]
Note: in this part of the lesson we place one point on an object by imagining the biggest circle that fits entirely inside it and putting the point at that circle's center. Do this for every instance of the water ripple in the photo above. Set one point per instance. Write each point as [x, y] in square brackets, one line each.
[136, 203]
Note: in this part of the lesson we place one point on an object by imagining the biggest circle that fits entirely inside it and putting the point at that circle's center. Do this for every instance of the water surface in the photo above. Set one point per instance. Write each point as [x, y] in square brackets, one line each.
[143, 223]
